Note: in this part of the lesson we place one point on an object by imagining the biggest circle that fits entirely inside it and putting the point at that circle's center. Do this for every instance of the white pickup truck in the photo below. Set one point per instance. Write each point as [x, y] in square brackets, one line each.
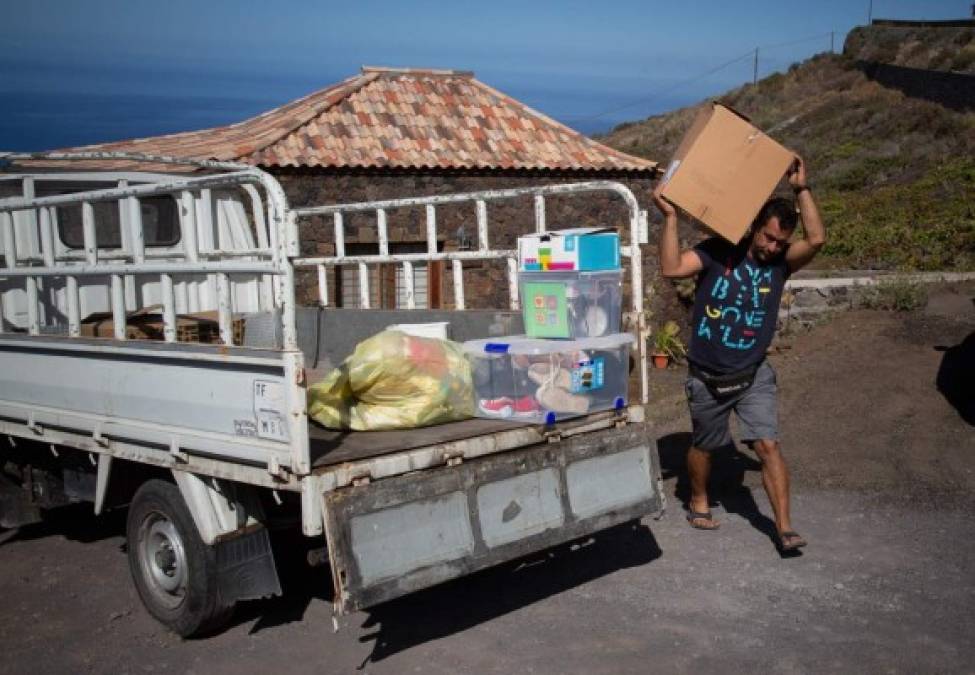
[207, 443]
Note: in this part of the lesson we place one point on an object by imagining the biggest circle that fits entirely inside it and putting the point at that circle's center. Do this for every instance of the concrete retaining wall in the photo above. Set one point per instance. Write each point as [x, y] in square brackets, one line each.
[807, 299]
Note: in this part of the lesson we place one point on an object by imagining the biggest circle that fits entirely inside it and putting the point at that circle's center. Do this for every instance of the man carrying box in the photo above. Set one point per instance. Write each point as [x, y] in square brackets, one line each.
[735, 311]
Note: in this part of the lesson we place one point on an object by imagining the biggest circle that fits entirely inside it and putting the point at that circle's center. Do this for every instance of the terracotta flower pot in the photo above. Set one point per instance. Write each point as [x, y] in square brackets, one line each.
[660, 360]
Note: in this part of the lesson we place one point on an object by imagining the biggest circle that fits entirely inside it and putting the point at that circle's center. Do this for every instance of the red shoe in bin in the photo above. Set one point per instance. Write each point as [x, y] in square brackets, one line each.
[502, 407]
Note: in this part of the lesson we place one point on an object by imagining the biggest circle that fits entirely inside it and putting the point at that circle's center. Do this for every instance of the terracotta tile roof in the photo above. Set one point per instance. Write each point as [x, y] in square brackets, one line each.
[395, 118]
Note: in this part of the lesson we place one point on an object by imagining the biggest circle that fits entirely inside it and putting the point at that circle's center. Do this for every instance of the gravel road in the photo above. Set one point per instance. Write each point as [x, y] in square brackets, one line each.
[882, 455]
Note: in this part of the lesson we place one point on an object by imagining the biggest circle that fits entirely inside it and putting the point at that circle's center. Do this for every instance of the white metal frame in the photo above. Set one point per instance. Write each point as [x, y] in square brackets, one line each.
[635, 318]
[276, 255]
[271, 257]
[222, 455]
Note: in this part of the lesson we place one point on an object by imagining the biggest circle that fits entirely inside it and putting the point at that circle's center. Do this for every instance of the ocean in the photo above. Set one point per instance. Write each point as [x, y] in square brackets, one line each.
[44, 121]
[34, 121]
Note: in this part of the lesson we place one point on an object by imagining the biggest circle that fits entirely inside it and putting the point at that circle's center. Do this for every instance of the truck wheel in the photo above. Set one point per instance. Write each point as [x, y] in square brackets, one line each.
[174, 571]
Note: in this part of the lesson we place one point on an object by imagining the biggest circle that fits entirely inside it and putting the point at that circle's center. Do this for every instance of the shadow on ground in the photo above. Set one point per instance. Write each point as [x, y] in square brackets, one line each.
[446, 609]
[455, 606]
[76, 522]
[726, 487]
[458, 605]
[956, 377]
[300, 585]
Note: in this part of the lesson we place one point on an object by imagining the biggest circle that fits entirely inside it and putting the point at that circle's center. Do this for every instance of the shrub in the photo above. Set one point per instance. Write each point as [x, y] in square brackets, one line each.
[898, 295]
[925, 224]
[964, 59]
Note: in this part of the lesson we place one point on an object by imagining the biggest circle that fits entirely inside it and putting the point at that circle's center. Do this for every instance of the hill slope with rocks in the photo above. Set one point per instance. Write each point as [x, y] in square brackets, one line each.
[894, 174]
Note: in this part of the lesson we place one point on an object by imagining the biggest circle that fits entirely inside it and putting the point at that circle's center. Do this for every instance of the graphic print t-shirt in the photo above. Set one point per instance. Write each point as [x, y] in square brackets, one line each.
[735, 308]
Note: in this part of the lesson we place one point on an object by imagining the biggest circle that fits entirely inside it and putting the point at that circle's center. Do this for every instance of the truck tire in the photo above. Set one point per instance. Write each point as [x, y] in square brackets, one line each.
[173, 570]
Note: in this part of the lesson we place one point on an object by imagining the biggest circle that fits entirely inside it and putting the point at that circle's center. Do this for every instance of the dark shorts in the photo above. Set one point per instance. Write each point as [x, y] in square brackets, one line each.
[757, 410]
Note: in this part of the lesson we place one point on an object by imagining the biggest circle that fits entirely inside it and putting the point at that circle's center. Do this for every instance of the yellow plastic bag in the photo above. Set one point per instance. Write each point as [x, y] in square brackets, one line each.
[395, 381]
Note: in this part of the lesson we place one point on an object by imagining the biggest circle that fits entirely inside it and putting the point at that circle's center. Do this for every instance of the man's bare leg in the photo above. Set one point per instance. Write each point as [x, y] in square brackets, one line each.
[775, 479]
[698, 471]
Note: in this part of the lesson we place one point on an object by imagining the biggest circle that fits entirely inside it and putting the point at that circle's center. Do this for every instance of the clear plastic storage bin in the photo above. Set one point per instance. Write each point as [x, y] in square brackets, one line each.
[542, 381]
[571, 305]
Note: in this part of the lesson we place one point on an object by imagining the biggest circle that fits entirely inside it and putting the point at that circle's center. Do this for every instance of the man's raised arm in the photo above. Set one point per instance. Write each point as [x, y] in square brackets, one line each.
[674, 264]
[804, 250]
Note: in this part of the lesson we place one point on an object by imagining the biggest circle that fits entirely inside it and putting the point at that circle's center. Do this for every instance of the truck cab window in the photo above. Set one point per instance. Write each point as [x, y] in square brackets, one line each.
[160, 223]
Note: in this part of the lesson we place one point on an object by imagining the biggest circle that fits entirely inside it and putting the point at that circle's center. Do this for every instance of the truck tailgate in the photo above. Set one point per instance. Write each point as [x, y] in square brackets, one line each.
[409, 532]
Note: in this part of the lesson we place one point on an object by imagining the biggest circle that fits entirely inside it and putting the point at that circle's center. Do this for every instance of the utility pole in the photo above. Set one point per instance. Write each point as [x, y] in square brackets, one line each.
[755, 68]
[870, 13]
[831, 50]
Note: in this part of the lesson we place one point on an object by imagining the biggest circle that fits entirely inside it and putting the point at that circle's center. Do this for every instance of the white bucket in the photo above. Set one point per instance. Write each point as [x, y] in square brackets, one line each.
[436, 329]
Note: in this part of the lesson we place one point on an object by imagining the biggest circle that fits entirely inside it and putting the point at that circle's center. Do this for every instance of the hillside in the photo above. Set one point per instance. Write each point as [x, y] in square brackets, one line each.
[894, 175]
[947, 48]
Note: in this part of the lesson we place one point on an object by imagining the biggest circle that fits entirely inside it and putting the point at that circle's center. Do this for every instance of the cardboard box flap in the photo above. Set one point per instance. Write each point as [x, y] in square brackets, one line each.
[719, 104]
[703, 117]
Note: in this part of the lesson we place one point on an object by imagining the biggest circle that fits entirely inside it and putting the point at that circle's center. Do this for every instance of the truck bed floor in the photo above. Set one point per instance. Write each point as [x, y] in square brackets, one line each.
[330, 446]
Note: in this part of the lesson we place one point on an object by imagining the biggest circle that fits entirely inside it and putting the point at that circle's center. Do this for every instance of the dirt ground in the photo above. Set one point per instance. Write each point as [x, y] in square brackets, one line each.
[877, 413]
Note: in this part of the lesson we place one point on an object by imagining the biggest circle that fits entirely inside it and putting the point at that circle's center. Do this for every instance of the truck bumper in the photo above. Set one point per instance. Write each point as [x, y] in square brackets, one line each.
[402, 534]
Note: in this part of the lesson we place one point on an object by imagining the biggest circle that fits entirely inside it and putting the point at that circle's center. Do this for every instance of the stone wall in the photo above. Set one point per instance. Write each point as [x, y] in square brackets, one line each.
[952, 90]
[808, 299]
[485, 282]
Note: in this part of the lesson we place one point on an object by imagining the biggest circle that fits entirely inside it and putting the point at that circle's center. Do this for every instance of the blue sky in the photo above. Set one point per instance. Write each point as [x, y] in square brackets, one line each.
[85, 71]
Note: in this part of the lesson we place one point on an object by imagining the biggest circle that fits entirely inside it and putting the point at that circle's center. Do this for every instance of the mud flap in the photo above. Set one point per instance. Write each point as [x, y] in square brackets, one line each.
[402, 534]
[245, 567]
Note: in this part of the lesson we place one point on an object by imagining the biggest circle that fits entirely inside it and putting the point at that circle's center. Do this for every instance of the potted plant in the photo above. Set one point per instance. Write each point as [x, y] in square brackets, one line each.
[667, 345]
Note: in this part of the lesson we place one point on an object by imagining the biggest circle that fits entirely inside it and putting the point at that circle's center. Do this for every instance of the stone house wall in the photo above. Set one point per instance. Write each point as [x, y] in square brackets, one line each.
[485, 282]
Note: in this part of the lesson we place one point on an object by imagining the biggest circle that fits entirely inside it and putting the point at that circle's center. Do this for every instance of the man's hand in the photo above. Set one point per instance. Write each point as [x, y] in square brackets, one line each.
[797, 174]
[664, 206]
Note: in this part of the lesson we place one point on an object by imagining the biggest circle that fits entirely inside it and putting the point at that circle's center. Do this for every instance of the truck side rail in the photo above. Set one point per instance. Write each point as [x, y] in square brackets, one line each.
[635, 319]
[271, 257]
[218, 409]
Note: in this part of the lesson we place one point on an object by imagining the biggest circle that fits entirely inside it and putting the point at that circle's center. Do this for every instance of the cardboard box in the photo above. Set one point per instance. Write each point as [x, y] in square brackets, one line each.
[582, 249]
[147, 324]
[198, 327]
[724, 170]
[100, 324]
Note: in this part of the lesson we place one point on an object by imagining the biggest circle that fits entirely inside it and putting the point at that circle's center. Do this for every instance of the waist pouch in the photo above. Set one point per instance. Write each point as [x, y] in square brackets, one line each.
[728, 384]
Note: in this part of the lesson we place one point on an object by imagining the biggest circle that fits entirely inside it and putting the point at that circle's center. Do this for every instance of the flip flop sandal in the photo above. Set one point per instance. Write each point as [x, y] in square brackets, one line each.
[796, 540]
[702, 515]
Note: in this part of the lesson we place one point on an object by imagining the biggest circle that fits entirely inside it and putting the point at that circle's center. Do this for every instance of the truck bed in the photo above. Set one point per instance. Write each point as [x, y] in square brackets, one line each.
[329, 447]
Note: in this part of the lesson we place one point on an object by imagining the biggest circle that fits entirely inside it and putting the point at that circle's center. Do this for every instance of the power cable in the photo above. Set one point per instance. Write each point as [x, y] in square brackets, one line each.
[749, 54]
[678, 85]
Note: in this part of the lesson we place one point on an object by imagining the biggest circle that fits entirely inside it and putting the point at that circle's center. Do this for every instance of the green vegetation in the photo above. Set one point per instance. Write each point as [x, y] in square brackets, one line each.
[898, 295]
[944, 48]
[667, 341]
[894, 176]
[964, 60]
[925, 224]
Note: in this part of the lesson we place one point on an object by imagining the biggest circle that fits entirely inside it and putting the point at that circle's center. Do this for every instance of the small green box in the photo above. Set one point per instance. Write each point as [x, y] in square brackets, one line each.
[545, 309]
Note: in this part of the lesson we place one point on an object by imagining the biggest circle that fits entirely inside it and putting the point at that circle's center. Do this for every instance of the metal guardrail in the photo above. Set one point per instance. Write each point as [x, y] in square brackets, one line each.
[277, 253]
[480, 201]
[277, 241]
[275, 256]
